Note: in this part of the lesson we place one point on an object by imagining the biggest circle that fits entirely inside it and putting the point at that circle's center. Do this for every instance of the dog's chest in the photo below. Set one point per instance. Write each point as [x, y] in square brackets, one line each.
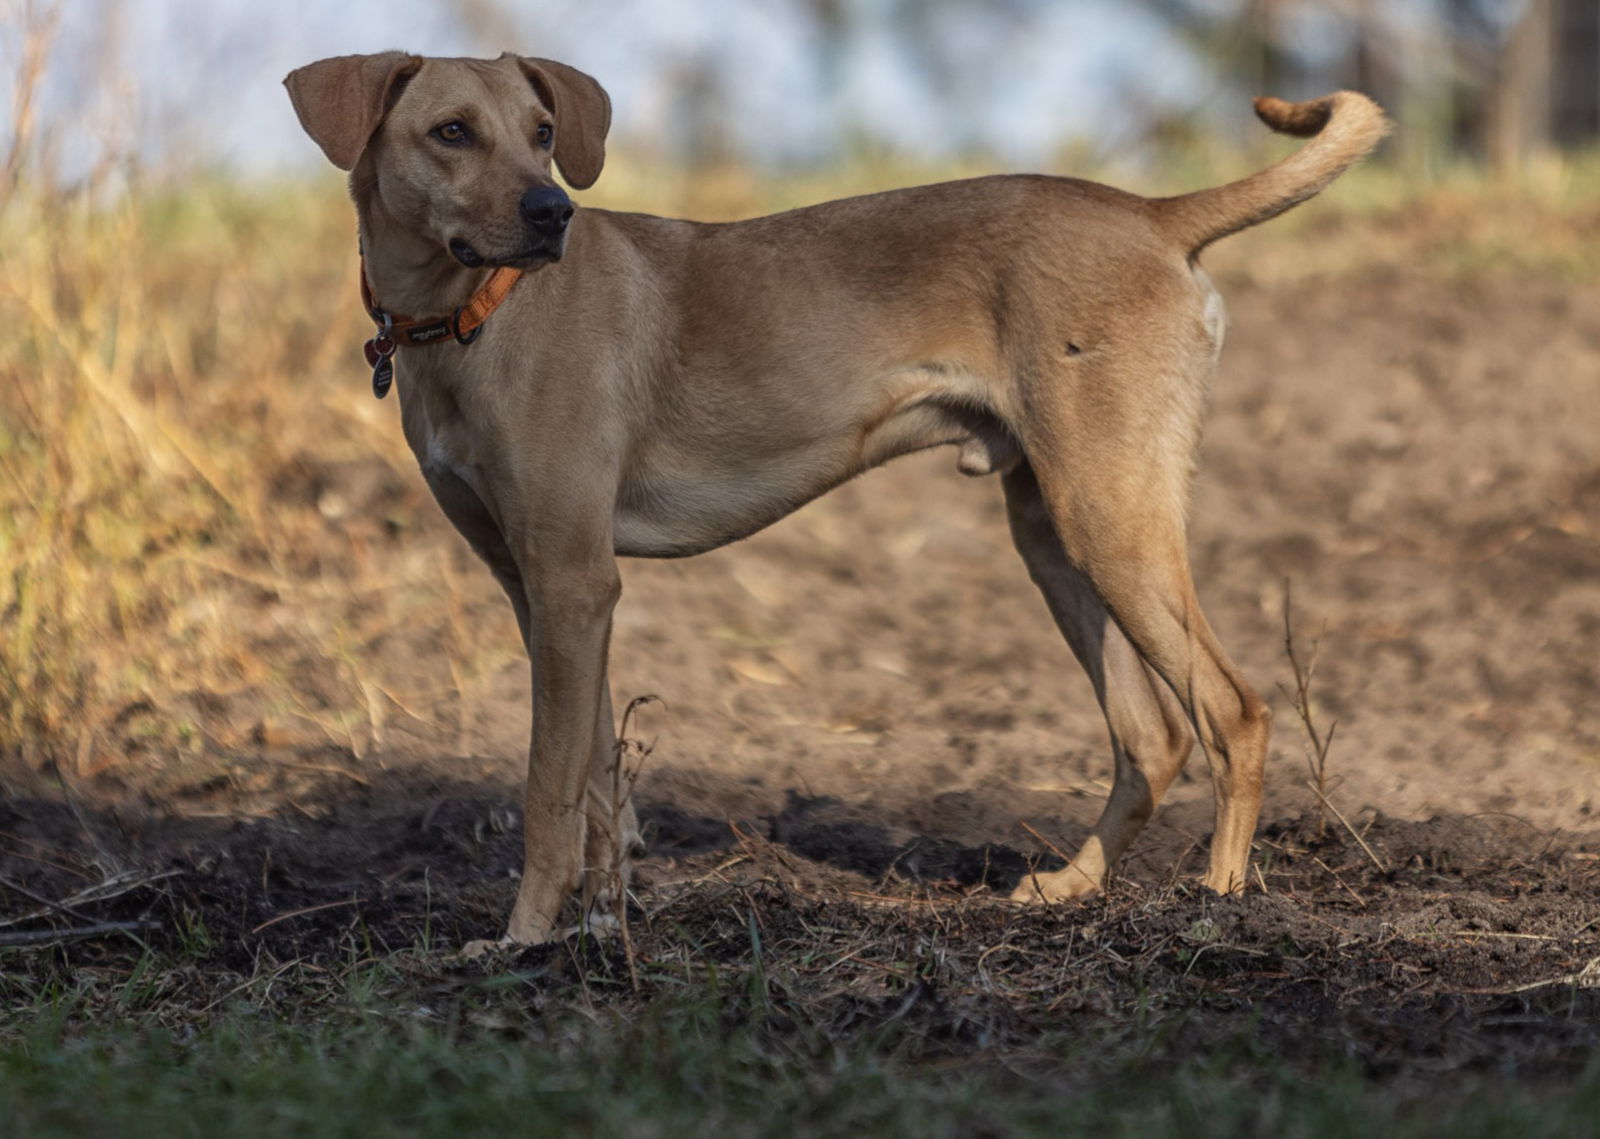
[441, 443]
[438, 458]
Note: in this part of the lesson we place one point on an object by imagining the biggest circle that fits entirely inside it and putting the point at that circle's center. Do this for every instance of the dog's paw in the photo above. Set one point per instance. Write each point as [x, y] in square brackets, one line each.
[510, 943]
[1065, 885]
[600, 924]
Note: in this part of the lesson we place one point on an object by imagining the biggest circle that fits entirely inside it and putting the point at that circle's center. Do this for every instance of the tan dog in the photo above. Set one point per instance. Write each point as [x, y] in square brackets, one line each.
[656, 388]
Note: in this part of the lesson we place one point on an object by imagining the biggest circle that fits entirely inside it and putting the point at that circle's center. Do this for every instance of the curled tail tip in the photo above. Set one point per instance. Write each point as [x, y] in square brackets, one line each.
[1299, 119]
[1303, 120]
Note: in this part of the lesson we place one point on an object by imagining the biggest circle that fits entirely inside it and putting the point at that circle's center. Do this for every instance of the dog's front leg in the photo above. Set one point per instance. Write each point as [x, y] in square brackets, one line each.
[570, 601]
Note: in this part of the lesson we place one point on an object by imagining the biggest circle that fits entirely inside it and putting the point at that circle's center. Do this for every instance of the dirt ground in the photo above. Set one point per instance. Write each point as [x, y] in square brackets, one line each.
[869, 700]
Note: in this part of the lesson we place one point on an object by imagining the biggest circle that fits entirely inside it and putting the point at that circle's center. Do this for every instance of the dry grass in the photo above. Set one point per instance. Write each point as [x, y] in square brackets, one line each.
[161, 387]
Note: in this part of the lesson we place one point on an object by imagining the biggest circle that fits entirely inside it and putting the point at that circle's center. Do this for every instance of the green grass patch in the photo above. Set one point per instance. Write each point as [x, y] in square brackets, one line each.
[372, 1053]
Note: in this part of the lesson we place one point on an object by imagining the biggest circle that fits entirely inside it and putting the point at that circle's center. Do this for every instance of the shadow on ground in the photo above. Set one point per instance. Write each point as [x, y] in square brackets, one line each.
[1456, 941]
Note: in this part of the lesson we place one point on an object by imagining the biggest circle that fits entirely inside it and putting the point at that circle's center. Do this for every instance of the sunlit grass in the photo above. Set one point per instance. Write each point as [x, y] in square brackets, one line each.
[173, 359]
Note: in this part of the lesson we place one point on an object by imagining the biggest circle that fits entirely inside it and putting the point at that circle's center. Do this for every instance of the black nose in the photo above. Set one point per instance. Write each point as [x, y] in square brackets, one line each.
[547, 209]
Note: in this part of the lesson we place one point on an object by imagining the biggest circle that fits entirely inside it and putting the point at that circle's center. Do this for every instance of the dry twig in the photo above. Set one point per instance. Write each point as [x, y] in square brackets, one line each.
[37, 937]
[623, 781]
[1355, 834]
[1317, 741]
[300, 912]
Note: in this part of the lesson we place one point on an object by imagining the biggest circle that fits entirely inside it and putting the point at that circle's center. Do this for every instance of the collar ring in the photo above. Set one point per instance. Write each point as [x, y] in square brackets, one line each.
[455, 327]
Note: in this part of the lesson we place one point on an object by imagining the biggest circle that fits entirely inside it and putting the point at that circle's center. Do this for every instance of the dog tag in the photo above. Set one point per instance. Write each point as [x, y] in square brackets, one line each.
[382, 377]
[379, 352]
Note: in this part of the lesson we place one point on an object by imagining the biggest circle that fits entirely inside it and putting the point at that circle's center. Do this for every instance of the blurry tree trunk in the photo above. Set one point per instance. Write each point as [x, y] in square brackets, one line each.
[1575, 114]
[1264, 26]
[1373, 69]
[832, 21]
[701, 111]
[835, 24]
[1518, 113]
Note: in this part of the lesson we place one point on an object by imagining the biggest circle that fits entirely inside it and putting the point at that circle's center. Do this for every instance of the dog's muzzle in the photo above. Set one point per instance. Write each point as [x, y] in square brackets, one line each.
[547, 210]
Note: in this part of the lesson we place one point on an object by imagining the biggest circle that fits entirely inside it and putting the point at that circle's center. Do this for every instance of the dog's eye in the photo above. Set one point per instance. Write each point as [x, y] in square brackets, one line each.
[545, 135]
[453, 133]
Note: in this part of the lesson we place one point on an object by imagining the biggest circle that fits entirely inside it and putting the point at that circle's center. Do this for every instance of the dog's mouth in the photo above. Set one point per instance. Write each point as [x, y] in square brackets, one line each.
[535, 257]
[531, 257]
[465, 254]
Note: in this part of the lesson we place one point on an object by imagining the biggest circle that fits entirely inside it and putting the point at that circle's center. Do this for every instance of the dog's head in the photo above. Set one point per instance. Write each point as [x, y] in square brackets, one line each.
[460, 150]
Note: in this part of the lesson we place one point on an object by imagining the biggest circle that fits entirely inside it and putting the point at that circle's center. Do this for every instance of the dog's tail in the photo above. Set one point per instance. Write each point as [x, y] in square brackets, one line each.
[1343, 127]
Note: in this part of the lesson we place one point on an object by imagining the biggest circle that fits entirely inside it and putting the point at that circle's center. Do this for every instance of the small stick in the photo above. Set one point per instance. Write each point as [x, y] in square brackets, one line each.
[1498, 933]
[1317, 744]
[51, 936]
[59, 907]
[1359, 900]
[1586, 978]
[114, 887]
[104, 892]
[1376, 861]
[1046, 843]
[302, 912]
[623, 782]
[329, 769]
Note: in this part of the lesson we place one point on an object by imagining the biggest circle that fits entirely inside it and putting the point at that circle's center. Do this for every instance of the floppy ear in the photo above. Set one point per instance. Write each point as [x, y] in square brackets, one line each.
[583, 116]
[342, 100]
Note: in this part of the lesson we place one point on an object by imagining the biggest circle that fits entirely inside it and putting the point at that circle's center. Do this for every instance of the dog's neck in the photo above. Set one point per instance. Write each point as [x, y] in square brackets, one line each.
[410, 274]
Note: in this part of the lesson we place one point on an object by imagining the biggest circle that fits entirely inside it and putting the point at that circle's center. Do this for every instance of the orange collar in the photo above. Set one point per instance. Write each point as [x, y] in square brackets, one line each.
[394, 329]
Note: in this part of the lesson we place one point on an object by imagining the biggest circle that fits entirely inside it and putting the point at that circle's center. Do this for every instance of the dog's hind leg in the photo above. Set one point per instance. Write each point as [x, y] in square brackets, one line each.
[1112, 443]
[1149, 737]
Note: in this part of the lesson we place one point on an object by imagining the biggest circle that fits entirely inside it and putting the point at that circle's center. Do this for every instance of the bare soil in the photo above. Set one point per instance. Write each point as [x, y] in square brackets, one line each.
[863, 705]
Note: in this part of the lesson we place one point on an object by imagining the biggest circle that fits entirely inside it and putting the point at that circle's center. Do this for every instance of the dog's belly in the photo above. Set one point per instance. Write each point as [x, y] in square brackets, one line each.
[676, 506]
[679, 518]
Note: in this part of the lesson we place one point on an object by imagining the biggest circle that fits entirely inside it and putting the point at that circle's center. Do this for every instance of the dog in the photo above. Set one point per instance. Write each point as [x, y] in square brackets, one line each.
[583, 385]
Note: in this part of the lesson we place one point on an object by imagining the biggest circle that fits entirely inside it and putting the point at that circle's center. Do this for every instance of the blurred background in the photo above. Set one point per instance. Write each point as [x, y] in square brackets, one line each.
[175, 85]
[220, 573]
